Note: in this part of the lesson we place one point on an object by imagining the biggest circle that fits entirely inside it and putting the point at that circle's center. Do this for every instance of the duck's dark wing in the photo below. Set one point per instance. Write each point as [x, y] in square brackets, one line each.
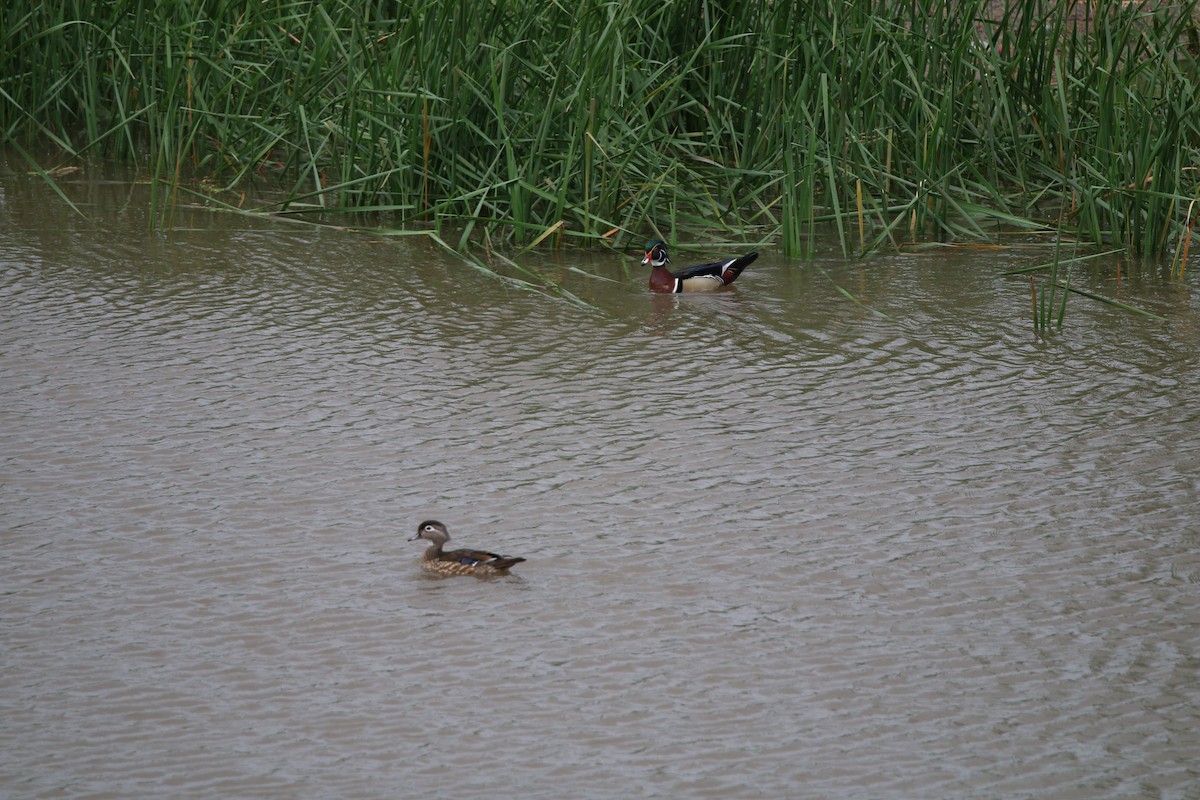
[700, 269]
[479, 557]
[727, 271]
[504, 562]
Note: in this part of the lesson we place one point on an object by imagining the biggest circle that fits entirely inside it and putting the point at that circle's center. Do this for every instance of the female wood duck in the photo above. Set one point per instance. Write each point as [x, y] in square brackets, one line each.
[458, 562]
[702, 278]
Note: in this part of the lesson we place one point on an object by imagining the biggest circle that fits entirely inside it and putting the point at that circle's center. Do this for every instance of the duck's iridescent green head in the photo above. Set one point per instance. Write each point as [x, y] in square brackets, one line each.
[656, 253]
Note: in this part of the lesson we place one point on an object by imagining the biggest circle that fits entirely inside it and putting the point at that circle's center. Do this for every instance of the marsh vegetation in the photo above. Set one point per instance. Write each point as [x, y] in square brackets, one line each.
[602, 121]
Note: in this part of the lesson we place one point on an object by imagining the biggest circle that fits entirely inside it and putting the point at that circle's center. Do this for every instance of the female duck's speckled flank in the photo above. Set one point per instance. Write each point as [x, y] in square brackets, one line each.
[458, 562]
[701, 278]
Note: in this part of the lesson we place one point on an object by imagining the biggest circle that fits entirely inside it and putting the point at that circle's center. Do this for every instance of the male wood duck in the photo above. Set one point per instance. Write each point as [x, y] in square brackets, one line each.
[702, 278]
[458, 562]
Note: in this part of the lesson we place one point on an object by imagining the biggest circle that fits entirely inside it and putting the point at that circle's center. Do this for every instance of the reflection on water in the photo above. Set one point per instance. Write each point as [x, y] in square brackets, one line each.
[778, 545]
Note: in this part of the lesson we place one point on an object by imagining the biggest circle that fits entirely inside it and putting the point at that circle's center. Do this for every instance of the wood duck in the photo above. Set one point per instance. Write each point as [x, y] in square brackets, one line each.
[458, 562]
[702, 278]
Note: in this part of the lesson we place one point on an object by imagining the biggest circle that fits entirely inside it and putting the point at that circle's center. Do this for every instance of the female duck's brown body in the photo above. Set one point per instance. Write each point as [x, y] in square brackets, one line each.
[701, 278]
[458, 562]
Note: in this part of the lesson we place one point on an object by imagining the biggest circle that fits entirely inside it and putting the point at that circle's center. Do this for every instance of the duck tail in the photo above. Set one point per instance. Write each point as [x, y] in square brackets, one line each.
[734, 268]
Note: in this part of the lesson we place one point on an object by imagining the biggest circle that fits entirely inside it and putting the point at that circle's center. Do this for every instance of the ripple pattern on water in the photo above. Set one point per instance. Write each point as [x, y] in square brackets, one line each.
[778, 546]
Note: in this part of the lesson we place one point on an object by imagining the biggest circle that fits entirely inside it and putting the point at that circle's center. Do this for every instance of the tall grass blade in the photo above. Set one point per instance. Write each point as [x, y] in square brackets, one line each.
[943, 121]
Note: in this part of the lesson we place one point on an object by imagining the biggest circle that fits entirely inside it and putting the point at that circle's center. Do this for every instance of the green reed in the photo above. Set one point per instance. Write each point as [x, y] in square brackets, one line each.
[610, 119]
[1048, 297]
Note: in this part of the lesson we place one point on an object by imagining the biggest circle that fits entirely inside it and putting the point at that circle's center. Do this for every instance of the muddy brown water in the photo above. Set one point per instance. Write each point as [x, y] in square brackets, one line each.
[779, 546]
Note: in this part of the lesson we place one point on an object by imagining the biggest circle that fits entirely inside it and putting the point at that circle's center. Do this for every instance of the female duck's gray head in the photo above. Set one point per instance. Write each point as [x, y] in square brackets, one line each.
[432, 530]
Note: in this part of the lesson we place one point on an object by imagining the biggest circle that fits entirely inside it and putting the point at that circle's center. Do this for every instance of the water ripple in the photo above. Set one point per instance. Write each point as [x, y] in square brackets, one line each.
[776, 543]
